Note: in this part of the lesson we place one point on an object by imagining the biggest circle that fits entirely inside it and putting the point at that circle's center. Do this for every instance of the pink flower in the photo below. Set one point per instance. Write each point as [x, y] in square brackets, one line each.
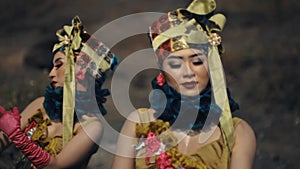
[163, 161]
[80, 75]
[152, 145]
[161, 79]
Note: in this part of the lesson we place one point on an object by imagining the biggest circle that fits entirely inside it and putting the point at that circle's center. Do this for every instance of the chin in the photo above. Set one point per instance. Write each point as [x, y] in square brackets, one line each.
[57, 86]
[190, 93]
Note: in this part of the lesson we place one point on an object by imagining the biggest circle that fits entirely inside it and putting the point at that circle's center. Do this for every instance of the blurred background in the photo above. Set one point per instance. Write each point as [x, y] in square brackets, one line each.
[262, 63]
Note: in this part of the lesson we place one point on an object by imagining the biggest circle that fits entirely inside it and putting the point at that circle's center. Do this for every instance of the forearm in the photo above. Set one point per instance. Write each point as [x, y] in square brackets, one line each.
[4, 141]
[39, 157]
[123, 162]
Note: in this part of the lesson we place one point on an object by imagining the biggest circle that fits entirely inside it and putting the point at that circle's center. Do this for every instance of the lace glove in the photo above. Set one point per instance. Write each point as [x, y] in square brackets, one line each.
[10, 124]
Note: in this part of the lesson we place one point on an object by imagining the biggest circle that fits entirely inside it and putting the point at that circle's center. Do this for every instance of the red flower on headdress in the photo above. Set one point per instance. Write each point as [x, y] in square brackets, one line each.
[161, 79]
[152, 145]
[80, 75]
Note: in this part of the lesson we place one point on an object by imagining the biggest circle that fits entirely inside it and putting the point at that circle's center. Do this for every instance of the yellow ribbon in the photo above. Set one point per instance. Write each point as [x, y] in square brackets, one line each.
[202, 7]
[215, 67]
[218, 83]
[70, 39]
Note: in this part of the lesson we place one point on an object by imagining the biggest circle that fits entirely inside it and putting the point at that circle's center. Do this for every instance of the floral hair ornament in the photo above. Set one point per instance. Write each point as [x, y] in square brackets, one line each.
[196, 25]
[77, 45]
[161, 79]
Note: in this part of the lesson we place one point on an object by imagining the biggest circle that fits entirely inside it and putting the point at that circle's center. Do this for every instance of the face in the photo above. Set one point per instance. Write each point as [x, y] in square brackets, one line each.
[57, 73]
[186, 71]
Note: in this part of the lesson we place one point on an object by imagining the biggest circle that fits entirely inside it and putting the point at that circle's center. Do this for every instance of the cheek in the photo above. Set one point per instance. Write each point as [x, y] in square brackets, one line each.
[202, 75]
[61, 72]
[171, 77]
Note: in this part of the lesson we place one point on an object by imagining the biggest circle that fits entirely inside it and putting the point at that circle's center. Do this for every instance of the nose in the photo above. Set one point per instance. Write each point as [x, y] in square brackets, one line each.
[51, 74]
[188, 72]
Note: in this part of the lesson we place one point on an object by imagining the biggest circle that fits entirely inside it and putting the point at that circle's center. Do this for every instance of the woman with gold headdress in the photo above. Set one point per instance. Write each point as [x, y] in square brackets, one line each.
[61, 129]
[189, 124]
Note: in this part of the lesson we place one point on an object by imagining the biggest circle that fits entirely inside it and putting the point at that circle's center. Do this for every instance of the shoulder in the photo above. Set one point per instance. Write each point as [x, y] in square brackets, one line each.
[90, 126]
[138, 116]
[243, 134]
[30, 109]
[242, 127]
[244, 147]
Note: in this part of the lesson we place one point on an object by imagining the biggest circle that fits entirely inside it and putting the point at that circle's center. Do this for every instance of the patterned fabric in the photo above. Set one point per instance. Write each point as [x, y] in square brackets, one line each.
[37, 131]
[95, 56]
[214, 155]
[181, 29]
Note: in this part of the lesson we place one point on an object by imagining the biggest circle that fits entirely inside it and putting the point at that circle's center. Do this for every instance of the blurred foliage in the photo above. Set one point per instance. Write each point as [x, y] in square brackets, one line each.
[20, 88]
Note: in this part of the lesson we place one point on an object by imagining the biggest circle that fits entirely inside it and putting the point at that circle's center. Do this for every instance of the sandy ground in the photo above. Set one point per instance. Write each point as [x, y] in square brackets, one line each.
[261, 62]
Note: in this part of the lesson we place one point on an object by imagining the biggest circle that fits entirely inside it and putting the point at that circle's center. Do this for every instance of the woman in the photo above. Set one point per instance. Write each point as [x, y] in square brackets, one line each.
[189, 124]
[50, 134]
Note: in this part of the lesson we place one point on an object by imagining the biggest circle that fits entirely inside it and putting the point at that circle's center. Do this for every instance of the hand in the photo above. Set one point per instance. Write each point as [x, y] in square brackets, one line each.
[9, 121]
[10, 124]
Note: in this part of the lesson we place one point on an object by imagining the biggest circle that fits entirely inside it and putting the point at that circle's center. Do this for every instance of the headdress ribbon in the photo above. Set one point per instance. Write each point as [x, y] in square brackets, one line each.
[70, 39]
[215, 24]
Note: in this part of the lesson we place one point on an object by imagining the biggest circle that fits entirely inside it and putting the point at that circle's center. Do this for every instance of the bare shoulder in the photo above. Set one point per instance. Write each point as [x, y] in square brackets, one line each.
[90, 126]
[244, 148]
[30, 109]
[133, 117]
[244, 129]
[244, 136]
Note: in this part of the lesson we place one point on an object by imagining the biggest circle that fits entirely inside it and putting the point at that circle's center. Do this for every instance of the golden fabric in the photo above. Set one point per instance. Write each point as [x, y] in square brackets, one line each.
[69, 37]
[38, 132]
[39, 135]
[214, 155]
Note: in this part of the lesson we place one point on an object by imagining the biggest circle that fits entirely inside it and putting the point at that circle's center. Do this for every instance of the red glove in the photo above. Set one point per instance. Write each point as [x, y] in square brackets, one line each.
[10, 124]
[9, 121]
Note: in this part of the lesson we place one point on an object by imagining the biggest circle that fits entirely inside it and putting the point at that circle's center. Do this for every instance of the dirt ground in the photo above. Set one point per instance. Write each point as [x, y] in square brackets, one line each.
[261, 61]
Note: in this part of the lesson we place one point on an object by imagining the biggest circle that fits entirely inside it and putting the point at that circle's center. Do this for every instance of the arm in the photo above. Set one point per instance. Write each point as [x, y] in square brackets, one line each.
[244, 147]
[4, 141]
[30, 110]
[125, 152]
[27, 113]
[80, 148]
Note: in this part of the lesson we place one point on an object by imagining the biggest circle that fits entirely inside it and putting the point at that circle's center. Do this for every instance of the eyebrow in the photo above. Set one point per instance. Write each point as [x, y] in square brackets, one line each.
[180, 57]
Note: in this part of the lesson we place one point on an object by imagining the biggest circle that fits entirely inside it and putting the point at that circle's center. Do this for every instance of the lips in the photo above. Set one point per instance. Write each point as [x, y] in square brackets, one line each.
[54, 83]
[190, 85]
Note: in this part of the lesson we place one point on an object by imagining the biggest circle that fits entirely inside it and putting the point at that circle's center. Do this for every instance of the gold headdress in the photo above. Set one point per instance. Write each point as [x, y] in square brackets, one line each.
[75, 42]
[184, 28]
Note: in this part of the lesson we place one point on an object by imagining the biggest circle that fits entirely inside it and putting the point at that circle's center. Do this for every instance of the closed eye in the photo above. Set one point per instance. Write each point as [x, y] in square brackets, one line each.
[199, 62]
[58, 62]
[174, 65]
[57, 66]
